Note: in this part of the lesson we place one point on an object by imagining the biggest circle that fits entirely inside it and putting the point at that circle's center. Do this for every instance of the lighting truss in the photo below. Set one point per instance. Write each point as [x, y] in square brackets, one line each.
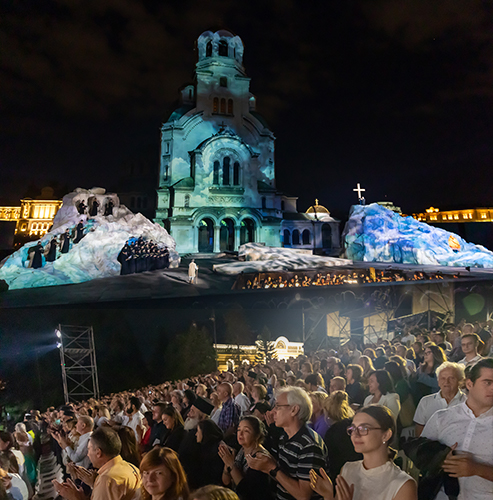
[78, 361]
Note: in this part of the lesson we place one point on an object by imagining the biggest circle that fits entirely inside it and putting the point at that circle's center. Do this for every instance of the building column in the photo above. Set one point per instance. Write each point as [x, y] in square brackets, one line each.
[237, 237]
[217, 238]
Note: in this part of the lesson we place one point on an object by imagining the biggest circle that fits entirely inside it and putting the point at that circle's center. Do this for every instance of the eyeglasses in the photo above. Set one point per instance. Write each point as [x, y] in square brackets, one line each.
[276, 407]
[361, 430]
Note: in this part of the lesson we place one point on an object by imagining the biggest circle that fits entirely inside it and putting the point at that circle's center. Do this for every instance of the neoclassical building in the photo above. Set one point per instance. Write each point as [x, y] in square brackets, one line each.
[217, 183]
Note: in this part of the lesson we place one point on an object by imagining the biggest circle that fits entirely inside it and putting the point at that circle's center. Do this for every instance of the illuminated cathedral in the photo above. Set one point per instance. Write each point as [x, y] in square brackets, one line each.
[217, 180]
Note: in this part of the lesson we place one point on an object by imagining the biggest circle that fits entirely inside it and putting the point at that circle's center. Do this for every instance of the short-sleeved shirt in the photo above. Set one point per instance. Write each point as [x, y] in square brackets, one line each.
[434, 402]
[306, 450]
[230, 415]
[473, 435]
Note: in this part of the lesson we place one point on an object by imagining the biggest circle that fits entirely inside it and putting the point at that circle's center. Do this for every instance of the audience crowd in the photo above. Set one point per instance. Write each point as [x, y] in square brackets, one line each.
[402, 419]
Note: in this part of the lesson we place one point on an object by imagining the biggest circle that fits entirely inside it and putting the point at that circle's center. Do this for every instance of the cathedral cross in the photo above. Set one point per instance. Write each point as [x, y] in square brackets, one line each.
[359, 189]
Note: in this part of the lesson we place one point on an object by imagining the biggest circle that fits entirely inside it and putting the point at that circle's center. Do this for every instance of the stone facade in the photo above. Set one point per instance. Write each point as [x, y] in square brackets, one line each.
[217, 186]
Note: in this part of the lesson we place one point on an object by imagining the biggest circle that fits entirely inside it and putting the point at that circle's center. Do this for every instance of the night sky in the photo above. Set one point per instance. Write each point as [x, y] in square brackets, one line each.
[396, 95]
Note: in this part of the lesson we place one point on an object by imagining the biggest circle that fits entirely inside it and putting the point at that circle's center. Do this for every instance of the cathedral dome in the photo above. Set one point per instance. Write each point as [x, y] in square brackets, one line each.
[221, 44]
[317, 209]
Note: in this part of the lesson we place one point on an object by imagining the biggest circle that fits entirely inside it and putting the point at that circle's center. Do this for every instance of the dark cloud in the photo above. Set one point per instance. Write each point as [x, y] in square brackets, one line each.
[353, 90]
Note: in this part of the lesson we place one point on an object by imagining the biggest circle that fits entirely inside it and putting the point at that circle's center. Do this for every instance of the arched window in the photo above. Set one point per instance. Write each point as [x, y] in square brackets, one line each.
[166, 172]
[215, 179]
[296, 237]
[236, 174]
[187, 201]
[223, 81]
[306, 237]
[215, 105]
[287, 237]
[264, 202]
[226, 162]
[208, 49]
[223, 48]
[223, 106]
[230, 106]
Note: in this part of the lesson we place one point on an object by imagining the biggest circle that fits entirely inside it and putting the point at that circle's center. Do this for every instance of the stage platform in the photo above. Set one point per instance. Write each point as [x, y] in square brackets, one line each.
[172, 285]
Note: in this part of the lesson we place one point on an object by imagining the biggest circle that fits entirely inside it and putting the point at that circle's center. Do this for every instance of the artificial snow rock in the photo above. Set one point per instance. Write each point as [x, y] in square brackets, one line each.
[95, 256]
[376, 234]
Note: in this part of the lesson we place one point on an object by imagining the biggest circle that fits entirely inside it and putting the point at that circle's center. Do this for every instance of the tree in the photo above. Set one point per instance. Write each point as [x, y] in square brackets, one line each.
[265, 347]
[190, 353]
[237, 333]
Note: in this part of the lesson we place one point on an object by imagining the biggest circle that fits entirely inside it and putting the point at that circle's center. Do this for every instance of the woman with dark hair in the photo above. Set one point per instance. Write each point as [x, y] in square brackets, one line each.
[149, 424]
[339, 370]
[397, 370]
[249, 484]
[425, 381]
[209, 466]
[376, 477]
[163, 477]
[173, 421]
[130, 448]
[188, 400]
[382, 392]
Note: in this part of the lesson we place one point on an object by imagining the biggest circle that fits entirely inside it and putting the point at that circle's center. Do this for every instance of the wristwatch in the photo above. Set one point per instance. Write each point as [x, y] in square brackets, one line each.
[273, 472]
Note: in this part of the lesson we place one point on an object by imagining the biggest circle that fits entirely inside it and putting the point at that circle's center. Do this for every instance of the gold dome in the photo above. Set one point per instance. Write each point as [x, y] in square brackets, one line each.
[317, 209]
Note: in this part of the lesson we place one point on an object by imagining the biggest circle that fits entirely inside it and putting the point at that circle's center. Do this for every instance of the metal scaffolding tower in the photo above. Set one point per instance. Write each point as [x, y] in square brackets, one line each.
[78, 360]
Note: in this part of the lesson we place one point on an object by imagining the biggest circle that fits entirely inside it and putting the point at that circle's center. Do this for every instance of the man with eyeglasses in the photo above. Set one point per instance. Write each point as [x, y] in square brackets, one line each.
[298, 450]
[468, 429]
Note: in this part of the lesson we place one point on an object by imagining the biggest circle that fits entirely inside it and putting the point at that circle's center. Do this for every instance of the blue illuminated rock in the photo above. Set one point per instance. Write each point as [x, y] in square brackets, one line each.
[376, 234]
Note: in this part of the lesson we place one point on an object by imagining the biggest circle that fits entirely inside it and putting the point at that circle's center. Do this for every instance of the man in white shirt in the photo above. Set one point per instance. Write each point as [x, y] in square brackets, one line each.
[468, 429]
[84, 427]
[449, 376]
[408, 339]
[135, 418]
[240, 398]
[469, 344]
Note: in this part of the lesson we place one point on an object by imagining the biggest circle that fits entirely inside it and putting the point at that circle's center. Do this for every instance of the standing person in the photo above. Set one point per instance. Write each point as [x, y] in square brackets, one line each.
[94, 208]
[192, 272]
[51, 254]
[299, 449]
[79, 456]
[230, 413]
[136, 418]
[108, 209]
[163, 477]
[115, 480]
[240, 398]
[79, 232]
[450, 377]
[65, 241]
[38, 256]
[467, 429]
[82, 208]
[469, 343]
[376, 477]
[425, 382]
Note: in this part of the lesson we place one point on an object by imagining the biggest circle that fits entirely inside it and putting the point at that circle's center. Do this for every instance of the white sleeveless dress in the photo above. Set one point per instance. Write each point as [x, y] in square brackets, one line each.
[380, 483]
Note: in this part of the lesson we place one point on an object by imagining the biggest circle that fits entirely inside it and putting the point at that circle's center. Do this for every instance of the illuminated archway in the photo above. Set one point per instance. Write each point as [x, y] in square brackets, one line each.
[227, 235]
[206, 235]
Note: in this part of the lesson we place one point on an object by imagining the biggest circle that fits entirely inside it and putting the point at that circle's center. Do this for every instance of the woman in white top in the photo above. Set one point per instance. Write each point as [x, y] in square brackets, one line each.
[382, 392]
[375, 477]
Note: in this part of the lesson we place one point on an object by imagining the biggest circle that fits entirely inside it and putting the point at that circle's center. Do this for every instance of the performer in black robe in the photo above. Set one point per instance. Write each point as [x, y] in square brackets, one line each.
[108, 209]
[79, 232]
[131, 260]
[82, 207]
[38, 256]
[51, 255]
[94, 208]
[65, 241]
[165, 258]
[123, 259]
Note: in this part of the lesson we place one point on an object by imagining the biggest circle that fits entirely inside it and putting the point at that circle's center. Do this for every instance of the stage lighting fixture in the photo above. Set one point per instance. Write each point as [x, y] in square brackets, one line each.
[59, 345]
[58, 334]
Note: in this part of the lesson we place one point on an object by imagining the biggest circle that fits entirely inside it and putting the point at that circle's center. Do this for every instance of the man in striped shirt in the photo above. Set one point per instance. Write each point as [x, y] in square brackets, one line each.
[298, 450]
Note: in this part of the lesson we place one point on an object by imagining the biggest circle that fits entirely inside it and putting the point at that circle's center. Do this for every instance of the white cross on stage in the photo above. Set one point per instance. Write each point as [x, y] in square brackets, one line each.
[360, 190]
